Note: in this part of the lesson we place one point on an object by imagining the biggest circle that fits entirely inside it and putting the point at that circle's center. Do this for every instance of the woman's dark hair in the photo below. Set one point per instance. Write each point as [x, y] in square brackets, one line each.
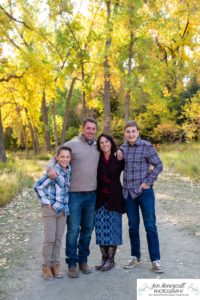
[63, 148]
[108, 137]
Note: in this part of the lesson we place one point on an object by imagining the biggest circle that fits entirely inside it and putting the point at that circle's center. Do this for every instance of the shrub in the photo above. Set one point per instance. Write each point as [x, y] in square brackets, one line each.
[191, 117]
[167, 132]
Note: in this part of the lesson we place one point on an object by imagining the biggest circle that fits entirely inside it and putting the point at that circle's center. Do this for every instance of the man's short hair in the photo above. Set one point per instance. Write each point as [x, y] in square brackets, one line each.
[131, 124]
[89, 119]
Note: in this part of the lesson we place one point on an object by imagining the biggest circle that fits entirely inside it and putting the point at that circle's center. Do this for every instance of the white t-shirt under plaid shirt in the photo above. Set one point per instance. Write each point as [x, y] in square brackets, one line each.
[55, 191]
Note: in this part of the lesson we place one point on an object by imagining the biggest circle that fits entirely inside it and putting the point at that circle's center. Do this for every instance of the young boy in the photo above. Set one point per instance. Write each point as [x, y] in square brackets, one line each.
[53, 195]
[139, 156]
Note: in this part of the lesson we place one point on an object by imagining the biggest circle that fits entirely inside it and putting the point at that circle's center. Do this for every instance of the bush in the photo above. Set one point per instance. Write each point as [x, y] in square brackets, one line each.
[167, 132]
[191, 117]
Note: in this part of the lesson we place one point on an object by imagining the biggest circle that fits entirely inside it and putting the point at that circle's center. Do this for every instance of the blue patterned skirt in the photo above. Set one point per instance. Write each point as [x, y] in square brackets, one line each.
[108, 227]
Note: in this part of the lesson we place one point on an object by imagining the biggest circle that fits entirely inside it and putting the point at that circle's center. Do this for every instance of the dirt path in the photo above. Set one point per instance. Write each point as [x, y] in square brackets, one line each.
[178, 215]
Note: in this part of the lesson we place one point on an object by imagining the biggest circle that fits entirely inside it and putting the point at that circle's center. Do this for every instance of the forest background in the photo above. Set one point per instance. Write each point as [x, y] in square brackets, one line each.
[63, 60]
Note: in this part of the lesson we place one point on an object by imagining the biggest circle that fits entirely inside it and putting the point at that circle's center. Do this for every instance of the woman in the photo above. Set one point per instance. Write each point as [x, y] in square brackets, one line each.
[110, 204]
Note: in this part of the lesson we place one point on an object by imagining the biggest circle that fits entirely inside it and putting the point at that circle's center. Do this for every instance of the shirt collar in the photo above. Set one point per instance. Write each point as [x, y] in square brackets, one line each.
[60, 169]
[90, 142]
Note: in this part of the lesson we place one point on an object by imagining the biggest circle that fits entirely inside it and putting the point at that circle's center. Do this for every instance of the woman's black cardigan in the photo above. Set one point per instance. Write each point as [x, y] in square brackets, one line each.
[114, 199]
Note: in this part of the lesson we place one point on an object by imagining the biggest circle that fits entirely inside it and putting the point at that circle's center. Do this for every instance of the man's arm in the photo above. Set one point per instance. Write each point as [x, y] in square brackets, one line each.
[51, 171]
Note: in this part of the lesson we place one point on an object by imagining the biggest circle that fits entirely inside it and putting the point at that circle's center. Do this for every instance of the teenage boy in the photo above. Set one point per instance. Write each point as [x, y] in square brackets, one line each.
[142, 166]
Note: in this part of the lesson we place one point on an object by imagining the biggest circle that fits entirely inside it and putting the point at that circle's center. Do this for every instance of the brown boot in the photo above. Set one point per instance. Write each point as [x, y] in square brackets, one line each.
[56, 271]
[84, 268]
[104, 251]
[109, 264]
[73, 272]
[47, 273]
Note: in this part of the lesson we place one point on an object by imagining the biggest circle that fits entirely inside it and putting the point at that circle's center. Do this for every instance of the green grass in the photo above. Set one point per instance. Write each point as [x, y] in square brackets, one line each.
[17, 174]
[182, 158]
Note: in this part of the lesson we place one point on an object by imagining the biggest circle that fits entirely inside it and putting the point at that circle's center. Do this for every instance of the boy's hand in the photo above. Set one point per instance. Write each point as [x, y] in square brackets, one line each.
[144, 186]
[52, 173]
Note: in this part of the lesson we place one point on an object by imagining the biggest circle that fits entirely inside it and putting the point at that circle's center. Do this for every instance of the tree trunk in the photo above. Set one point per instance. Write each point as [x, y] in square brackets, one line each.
[2, 149]
[23, 133]
[130, 58]
[36, 139]
[83, 94]
[107, 117]
[127, 105]
[45, 122]
[67, 107]
[35, 149]
[53, 108]
[128, 92]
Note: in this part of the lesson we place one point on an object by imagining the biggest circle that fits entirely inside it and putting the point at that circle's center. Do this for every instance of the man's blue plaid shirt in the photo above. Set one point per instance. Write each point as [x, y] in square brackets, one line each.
[138, 160]
[55, 192]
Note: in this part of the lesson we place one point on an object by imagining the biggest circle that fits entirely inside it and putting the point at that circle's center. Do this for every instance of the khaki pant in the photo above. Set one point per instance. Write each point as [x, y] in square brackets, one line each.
[54, 227]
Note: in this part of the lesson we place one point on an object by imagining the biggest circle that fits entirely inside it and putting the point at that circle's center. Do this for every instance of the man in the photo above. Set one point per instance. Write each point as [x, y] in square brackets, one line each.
[139, 156]
[82, 197]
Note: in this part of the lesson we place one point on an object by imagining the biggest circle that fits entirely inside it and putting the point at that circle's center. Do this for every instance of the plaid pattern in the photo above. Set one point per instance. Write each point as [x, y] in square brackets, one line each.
[138, 160]
[55, 192]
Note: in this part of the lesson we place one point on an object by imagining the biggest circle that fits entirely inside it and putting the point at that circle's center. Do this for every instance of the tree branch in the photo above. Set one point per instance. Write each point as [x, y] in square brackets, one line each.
[13, 18]
[11, 76]
[13, 42]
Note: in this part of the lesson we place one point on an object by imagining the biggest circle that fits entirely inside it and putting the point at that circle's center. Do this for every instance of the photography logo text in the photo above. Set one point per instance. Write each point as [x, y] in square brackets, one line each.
[165, 288]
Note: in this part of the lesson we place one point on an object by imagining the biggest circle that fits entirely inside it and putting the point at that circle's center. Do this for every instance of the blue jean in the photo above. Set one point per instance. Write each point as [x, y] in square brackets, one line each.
[146, 202]
[80, 225]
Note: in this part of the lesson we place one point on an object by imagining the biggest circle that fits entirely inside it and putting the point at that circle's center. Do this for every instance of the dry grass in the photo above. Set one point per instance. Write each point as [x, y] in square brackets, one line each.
[182, 158]
[16, 174]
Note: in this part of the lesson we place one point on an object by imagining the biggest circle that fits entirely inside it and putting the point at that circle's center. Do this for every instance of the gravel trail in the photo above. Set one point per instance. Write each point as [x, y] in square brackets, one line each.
[21, 234]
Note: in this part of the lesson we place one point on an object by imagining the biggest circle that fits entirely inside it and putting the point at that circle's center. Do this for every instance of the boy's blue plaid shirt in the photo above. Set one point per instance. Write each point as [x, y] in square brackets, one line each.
[138, 159]
[55, 192]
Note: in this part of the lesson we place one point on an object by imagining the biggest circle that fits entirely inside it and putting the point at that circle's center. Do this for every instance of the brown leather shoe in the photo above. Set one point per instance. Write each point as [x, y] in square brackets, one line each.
[85, 268]
[73, 272]
[56, 271]
[47, 273]
[157, 266]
